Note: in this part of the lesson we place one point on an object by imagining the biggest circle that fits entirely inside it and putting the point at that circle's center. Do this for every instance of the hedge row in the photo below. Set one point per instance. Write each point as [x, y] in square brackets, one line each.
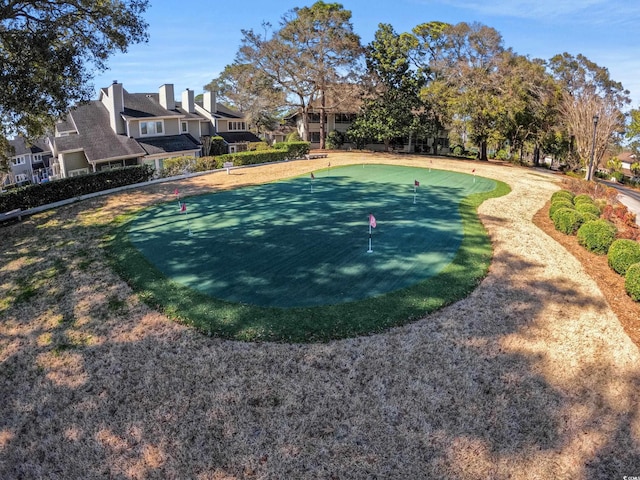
[32, 196]
[579, 215]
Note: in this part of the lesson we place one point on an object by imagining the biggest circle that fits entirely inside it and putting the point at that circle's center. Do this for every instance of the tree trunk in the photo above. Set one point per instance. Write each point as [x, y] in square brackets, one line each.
[536, 155]
[305, 124]
[323, 126]
[483, 151]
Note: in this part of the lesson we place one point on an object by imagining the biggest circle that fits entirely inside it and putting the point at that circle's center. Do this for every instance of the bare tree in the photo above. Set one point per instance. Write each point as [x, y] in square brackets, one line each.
[589, 93]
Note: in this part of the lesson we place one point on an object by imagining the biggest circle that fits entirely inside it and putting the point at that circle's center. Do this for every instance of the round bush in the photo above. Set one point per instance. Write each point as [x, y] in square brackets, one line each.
[588, 217]
[567, 220]
[632, 281]
[597, 235]
[566, 194]
[583, 198]
[558, 204]
[586, 207]
[622, 254]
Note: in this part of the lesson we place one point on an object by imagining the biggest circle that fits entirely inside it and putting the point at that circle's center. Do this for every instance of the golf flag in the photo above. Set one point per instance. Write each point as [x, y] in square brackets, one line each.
[313, 177]
[176, 192]
[372, 221]
[473, 171]
[183, 208]
[416, 183]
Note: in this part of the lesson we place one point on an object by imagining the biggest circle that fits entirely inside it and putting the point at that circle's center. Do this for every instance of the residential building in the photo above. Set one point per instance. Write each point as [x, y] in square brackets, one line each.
[342, 106]
[28, 163]
[121, 129]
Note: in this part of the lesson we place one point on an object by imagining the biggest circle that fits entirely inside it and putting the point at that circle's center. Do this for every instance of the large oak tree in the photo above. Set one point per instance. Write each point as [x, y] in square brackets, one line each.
[314, 50]
[49, 51]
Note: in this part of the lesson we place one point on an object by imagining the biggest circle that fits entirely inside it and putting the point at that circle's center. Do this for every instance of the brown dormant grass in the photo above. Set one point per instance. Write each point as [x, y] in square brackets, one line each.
[531, 376]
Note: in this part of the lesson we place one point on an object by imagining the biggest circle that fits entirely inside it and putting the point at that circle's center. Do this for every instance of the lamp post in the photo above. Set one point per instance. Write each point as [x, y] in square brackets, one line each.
[593, 148]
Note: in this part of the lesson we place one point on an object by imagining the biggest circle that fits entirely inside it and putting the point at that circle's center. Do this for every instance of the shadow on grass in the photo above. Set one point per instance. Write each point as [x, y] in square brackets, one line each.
[92, 386]
[248, 322]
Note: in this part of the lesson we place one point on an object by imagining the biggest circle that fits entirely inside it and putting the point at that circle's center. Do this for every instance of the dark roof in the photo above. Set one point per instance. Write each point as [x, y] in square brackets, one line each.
[187, 115]
[96, 137]
[21, 147]
[239, 137]
[65, 125]
[144, 105]
[227, 112]
[169, 143]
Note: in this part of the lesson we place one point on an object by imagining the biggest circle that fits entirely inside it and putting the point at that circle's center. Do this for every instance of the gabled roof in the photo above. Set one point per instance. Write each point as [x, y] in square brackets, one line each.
[226, 112]
[169, 144]
[238, 137]
[145, 105]
[95, 135]
[22, 148]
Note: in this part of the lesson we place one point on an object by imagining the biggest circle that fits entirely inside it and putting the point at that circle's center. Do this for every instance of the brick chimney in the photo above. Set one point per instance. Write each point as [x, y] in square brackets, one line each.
[167, 98]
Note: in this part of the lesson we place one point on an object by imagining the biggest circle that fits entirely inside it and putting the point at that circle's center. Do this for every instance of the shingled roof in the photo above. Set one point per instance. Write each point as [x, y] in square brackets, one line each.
[96, 137]
[238, 137]
[22, 148]
[143, 105]
[169, 144]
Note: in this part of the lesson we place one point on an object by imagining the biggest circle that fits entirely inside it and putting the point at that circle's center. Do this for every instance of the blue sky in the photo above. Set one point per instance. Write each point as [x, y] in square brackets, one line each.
[191, 41]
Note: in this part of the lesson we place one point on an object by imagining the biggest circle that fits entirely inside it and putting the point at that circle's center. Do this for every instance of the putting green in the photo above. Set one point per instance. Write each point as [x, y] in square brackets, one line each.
[303, 242]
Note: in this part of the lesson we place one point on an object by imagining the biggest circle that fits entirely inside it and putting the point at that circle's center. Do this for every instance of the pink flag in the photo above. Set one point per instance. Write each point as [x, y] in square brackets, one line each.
[473, 171]
[416, 183]
[313, 177]
[183, 208]
[372, 220]
[176, 192]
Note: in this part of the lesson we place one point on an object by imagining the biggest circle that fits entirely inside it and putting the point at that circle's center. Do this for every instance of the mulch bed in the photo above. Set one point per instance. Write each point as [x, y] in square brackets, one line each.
[610, 283]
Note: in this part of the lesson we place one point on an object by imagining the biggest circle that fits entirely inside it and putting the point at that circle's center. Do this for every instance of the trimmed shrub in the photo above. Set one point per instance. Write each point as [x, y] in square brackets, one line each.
[622, 254]
[558, 204]
[254, 158]
[204, 164]
[632, 281]
[597, 236]
[33, 196]
[293, 149]
[582, 198]
[567, 220]
[588, 217]
[566, 194]
[586, 207]
[178, 166]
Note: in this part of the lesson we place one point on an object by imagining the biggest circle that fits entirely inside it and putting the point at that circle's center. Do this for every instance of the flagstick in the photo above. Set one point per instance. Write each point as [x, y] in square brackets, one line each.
[415, 189]
[311, 185]
[370, 249]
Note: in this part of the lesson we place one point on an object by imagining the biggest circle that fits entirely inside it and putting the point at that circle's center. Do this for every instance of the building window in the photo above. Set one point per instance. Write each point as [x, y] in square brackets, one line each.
[77, 172]
[315, 137]
[236, 126]
[21, 177]
[18, 161]
[151, 128]
[184, 127]
[314, 118]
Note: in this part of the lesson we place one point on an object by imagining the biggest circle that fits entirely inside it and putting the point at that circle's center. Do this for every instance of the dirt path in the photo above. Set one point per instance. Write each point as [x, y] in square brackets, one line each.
[532, 376]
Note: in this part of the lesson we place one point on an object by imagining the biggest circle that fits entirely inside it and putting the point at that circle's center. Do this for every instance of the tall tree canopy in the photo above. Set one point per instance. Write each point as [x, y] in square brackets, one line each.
[49, 50]
[314, 49]
[395, 108]
[465, 62]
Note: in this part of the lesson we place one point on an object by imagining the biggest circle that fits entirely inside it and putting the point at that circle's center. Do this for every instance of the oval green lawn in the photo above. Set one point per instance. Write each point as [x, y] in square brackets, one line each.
[282, 262]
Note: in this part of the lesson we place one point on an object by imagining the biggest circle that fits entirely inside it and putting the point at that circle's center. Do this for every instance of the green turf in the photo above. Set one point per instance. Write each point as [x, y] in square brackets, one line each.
[279, 262]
